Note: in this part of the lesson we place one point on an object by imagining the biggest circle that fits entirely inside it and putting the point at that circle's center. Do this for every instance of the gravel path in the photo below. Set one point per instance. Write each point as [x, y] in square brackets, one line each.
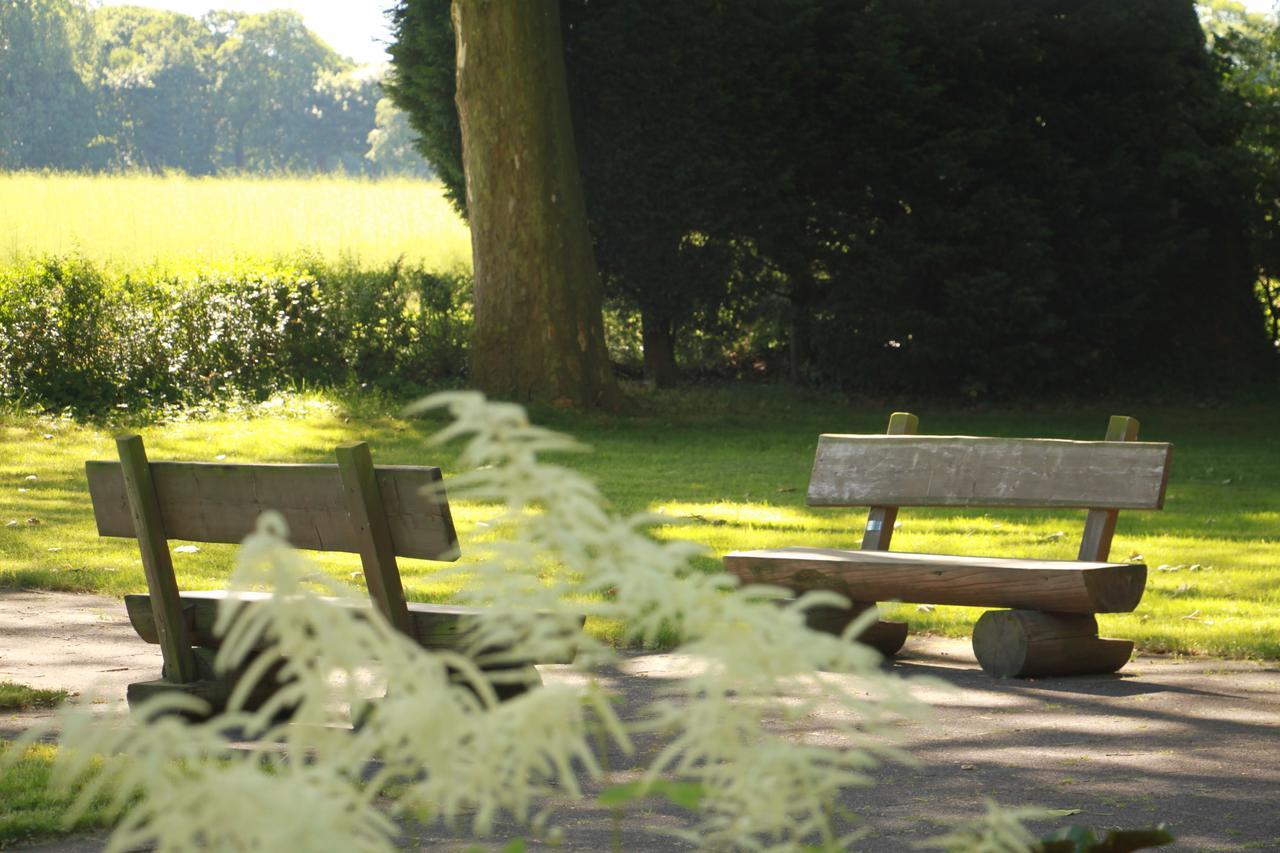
[1193, 742]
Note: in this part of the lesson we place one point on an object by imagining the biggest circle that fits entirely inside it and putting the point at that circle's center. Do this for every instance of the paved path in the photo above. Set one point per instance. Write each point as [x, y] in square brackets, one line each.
[1194, 742]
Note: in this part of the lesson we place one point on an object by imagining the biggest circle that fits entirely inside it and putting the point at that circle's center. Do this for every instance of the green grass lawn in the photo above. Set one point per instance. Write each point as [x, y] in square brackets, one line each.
[19, 697]
[733, 466]
[29, 809]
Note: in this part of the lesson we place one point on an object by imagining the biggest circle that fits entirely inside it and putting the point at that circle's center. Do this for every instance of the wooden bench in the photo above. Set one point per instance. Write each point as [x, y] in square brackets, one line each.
[377, 512]
[1051, 628]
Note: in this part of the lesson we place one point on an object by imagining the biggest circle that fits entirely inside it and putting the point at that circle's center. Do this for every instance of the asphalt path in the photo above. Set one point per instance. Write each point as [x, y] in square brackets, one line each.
[1192, 742]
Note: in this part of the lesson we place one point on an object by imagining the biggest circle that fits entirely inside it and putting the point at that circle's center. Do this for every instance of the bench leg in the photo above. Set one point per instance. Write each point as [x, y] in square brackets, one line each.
[213, 687]
[885, 637]
[1032, 644]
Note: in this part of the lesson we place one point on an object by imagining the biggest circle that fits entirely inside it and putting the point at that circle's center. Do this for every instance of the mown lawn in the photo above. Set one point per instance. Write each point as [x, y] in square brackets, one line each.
[29, 808]
[732, 466]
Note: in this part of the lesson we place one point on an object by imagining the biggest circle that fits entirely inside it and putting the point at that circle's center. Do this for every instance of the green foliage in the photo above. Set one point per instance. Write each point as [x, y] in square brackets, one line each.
[391, 143]
[46, 110]
[422, 84]
[73, 337]
[984, 199]
[128, 87]
[445, 746]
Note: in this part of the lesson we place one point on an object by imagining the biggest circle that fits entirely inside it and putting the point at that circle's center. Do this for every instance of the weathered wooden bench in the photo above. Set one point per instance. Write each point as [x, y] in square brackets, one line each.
[377, 512]
[1051, 628]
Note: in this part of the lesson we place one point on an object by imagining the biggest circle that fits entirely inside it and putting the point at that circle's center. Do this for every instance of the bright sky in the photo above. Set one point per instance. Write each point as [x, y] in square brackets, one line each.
[358, 29]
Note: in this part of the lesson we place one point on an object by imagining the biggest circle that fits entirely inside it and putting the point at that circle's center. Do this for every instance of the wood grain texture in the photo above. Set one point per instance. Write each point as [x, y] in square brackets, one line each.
[1054, 585]
[1100, 524]
[433, 626]
[210, 502]
[372, 533]
[143, 514]
[890, 470]
[885, 637]
[878, 532]
[1029, 644]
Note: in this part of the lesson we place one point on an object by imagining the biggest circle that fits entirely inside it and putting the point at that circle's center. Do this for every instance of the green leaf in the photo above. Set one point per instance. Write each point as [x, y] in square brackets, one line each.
[687, 795]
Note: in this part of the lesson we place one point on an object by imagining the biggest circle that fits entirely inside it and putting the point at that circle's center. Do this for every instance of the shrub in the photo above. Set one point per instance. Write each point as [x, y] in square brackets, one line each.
[72, 337]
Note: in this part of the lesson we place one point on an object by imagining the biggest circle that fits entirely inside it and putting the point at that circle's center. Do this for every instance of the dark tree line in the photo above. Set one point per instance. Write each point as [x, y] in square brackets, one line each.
[986, 198]
[126, 87]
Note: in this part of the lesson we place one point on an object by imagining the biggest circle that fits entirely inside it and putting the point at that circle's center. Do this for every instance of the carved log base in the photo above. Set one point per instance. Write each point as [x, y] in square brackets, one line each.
[1032, 644]
[885, 637]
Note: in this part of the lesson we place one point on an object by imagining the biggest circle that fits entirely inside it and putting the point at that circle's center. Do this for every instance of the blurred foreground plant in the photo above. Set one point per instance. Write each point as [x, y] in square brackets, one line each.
[438, 744]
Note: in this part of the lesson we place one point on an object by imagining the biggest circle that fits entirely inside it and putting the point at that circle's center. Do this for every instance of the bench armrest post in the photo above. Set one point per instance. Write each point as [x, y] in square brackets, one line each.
[1100, 524]
[144, 507]
[369, 521]
[880, 519]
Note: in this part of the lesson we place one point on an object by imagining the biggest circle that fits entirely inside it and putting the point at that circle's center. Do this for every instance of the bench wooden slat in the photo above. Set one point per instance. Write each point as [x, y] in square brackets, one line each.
[433, 626]
[1062, 586]
[211, 502]
[138, 494]
[892, 470]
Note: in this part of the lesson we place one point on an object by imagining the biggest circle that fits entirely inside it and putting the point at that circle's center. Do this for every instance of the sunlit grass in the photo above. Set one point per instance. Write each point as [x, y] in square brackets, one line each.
[729, 468]
[183, 225]
[20, 697]
[29, 810]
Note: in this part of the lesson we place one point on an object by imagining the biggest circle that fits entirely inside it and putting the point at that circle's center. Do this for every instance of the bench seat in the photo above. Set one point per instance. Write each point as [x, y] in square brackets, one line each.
[1050, 628]
[1063, 586]
[433, 626]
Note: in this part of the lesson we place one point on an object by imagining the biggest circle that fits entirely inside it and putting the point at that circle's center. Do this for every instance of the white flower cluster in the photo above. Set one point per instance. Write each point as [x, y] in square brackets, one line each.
[432, 747]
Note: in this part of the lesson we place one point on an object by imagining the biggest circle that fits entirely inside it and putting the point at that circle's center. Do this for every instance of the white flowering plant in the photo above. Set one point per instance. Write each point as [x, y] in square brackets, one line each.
[432, 741]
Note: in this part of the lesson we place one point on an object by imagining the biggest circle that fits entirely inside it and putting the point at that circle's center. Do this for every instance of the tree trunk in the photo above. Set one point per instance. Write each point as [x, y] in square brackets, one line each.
[803, 297]
[658, 336]
[539, 326]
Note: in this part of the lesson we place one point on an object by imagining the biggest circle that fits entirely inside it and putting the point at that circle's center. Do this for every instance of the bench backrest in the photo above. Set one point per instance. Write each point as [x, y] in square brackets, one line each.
[352, 506]
[904, 469]
[210, 502]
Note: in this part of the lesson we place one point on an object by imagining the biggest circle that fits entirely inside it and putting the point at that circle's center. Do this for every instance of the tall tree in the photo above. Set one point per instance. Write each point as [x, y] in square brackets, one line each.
[539, 330]
[46, 110]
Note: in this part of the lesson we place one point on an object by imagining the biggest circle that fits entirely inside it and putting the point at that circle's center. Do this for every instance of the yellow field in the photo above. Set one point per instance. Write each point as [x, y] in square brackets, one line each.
[181, 224]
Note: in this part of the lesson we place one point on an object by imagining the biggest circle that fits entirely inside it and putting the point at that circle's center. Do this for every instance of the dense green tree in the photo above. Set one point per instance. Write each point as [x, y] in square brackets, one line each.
[1247, 46]
[392, 143]
[46, 109]
[423, 84]
[986, 197]
[155, 78]
[268, 67]
[343, 111]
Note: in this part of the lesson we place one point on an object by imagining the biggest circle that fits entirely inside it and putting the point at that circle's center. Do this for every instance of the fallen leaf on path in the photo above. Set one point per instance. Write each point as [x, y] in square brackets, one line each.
[186, 549]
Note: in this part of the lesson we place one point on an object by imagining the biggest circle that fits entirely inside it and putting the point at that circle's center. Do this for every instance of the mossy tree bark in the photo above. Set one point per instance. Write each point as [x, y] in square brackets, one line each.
[539, 328]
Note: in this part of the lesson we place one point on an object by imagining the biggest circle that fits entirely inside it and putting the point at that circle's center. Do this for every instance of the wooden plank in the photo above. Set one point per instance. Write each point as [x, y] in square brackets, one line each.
[873, 470]
[145, 518]
[369, 525]
[880, 519]
[1100, 524]
[1029, 644]
[1055, 585]
[432, 626]
[212, 502]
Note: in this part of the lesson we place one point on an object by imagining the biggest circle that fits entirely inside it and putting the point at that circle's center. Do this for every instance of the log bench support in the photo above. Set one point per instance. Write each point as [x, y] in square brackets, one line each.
[1050, 628]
